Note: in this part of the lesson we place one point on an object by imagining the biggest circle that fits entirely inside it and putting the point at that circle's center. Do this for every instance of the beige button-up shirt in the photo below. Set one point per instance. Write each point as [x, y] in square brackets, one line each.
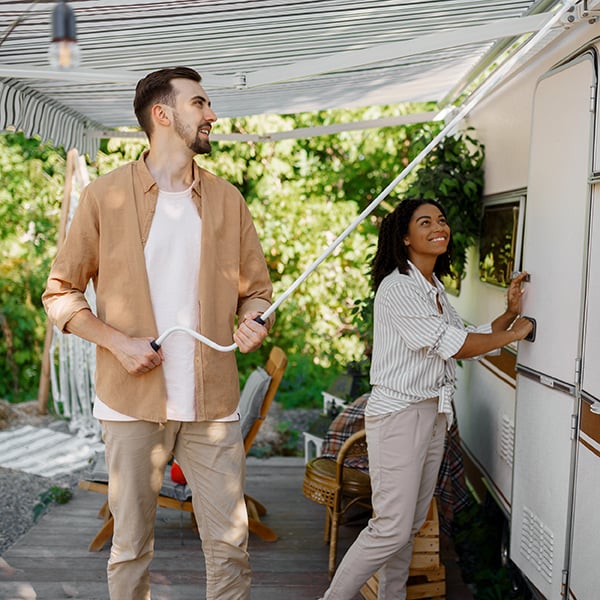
[105, 243]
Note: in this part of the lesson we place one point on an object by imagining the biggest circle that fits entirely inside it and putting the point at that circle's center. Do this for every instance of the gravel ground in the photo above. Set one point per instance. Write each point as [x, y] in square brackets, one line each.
[20, 492]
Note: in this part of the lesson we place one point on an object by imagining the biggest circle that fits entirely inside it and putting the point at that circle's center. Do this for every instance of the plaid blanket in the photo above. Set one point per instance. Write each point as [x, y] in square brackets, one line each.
[451, 489]
[348, 422]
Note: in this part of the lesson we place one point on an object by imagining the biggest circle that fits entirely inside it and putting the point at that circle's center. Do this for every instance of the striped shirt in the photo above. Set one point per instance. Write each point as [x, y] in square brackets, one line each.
[413, 344]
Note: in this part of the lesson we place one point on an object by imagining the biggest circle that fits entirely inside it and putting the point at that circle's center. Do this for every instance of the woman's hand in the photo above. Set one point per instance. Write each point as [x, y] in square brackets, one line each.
[514, 298]
[522, 327]
[478, 344]
[514, 295]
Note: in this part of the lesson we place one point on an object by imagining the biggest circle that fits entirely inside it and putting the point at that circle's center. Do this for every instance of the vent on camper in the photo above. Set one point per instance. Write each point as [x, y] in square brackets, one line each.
[507, 440]
[537, 543]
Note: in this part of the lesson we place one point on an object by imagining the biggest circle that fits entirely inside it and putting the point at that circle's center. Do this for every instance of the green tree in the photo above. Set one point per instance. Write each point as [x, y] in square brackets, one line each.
[302, 193]
[453, 174]
[31, 187]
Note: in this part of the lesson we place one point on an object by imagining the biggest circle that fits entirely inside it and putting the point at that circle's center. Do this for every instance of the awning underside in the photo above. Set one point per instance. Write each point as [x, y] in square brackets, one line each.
[256, 57]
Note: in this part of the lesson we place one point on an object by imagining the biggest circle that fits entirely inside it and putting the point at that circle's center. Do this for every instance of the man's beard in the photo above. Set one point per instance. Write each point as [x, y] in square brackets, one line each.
[199, 145]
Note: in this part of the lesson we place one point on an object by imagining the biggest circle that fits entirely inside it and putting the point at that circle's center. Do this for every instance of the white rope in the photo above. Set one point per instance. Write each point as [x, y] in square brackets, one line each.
[72, 373]
[201, 338]
[461, 113]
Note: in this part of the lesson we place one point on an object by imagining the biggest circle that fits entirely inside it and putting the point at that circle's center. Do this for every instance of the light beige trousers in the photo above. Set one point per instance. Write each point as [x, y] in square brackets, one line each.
[212, 457]
[405, 453]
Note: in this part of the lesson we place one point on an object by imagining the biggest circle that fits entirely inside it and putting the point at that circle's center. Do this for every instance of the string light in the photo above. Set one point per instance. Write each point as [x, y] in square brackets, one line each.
[63, 52]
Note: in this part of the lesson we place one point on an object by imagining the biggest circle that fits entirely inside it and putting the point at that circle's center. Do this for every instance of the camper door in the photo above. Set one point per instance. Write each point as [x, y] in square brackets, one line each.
[554, 253]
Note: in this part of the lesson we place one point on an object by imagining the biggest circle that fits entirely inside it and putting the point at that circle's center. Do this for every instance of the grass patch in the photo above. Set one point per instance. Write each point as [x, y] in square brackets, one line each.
[56, 495]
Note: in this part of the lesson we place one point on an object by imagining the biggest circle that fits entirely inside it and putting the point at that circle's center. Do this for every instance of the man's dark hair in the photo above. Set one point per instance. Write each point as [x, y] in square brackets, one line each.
[392, 252]
[156, 88]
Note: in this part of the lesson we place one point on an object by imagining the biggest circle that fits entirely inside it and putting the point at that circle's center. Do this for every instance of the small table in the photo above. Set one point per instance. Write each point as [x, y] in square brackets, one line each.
[313, 445]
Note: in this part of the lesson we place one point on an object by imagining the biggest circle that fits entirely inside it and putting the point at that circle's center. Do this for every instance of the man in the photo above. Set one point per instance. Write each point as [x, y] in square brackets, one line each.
[167, 243]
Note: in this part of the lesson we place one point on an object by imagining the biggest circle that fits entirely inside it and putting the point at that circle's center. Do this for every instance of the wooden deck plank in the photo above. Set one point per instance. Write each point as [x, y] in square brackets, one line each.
[52, 560]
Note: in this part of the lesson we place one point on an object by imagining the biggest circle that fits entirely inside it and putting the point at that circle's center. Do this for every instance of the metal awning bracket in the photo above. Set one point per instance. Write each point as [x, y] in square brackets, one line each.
[242, 81]
[585, 10]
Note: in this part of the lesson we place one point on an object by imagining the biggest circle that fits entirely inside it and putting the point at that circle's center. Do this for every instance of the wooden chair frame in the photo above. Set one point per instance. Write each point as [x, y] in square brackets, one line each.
[275, 367]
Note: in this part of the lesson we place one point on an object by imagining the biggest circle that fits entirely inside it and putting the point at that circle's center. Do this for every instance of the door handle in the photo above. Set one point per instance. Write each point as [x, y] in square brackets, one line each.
[531, 335]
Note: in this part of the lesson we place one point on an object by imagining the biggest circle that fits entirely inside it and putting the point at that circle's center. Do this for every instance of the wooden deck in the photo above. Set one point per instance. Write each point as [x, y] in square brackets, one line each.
[52, 561]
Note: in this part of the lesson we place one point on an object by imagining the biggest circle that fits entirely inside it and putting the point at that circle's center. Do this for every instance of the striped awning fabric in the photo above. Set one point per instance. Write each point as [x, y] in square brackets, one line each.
[256, 56]
[25, 109]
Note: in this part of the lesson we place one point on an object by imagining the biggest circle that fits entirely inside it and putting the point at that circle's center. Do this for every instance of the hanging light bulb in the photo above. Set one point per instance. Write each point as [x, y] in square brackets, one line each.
[64, 50]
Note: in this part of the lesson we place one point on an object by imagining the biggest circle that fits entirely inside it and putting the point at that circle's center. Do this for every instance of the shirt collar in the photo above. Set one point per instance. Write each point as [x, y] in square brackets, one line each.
[430, 290]
[148, 181]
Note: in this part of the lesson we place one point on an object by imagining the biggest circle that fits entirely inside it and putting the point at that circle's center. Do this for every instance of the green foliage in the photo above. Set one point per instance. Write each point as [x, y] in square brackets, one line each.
[290, 437]
[31, 187]
[115, 152]
[315, 321]
[362, 317]
[453, 175]
[285, 442]
[302, 194]
[58, 495]
[477, 539]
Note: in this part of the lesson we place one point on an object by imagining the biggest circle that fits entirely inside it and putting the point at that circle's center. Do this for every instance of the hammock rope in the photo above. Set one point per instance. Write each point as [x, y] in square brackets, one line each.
[73, 359]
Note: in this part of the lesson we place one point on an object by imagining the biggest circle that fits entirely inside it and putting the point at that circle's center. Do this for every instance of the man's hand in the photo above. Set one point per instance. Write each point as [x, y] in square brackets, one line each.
[250, 334]
[136, 355]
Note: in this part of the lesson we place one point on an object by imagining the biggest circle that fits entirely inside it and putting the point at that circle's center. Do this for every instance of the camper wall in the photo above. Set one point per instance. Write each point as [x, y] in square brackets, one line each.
[534, 438]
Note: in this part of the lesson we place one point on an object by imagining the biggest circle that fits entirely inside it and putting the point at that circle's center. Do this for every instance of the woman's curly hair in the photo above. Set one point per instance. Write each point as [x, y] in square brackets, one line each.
[391, 251]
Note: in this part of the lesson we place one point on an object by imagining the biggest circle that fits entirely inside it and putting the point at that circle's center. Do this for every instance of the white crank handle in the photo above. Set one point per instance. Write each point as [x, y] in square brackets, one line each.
[157, 343]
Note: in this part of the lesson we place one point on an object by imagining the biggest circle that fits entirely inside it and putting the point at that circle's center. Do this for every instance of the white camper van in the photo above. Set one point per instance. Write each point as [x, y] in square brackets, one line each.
[530, 418]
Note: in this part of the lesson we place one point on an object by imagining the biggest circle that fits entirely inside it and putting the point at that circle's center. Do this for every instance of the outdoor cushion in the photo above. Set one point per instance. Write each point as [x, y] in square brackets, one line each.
[251, 398]
[169, 488]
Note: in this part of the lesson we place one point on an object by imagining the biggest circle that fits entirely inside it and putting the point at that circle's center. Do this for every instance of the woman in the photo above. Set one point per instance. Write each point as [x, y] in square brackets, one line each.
[417, 338]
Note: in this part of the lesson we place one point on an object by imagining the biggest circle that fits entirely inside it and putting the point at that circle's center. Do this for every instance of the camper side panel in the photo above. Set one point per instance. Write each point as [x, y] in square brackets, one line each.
[584, 580]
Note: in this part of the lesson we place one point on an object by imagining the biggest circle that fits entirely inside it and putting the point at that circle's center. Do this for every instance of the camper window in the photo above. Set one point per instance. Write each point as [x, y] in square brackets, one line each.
[497, 243]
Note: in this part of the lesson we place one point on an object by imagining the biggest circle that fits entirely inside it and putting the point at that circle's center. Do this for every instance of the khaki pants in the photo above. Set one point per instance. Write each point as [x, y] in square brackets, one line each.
[405, 453]
[212, 457]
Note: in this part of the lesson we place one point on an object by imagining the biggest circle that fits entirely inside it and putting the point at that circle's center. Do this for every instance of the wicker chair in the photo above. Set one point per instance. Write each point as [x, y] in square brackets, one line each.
[329, 482]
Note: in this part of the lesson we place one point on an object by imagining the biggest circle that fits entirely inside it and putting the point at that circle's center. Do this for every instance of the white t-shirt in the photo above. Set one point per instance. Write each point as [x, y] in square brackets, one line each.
[172, 254]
